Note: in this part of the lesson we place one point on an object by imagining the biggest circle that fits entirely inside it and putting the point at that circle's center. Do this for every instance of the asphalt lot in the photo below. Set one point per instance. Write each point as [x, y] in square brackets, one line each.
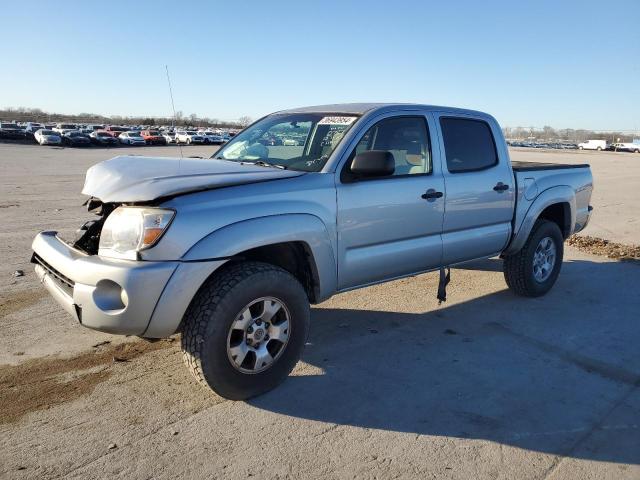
[487, 385]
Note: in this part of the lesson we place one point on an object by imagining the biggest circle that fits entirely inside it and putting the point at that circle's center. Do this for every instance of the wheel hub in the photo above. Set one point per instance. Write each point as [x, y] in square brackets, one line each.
[259, 335]
[256, 335]
[544, 259]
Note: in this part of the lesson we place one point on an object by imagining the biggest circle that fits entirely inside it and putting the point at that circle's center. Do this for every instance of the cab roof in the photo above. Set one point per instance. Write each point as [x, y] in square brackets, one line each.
[362, 108]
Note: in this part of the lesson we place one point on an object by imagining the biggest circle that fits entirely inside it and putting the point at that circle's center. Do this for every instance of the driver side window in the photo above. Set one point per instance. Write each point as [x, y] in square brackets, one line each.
[406, 138]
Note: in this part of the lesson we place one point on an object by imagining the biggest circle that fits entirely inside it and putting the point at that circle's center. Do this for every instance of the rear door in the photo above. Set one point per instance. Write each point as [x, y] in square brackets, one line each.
[480, 194]
[386, 226]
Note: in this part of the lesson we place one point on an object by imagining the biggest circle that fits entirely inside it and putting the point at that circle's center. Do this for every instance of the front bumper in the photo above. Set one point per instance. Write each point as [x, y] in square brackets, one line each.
[110, 295]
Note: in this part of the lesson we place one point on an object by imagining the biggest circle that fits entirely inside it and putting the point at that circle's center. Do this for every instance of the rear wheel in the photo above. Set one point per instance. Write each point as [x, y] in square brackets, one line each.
[535, 268]
[245, 329]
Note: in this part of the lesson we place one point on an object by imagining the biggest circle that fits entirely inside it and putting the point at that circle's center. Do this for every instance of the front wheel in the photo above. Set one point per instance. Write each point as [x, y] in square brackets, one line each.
[535, 268]
[245, 329]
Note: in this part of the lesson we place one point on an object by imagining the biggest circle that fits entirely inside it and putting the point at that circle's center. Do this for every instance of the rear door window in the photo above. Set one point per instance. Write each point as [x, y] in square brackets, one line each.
[468, 144]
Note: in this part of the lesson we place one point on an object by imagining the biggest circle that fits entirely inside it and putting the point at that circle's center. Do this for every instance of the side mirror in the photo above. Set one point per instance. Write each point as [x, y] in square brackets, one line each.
[373, 163]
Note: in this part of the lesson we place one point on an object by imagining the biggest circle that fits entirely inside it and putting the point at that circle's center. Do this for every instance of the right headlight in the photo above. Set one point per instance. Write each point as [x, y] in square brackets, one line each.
[128, 230]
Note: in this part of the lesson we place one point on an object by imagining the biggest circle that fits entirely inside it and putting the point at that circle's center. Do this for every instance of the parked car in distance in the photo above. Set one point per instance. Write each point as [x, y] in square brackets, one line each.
[115, 130]
[33, 127]
[231, 250]
[131, 138]
[47, 137]
[211, 137]
[63, 128]
[12, 131]
[593, 145]
[103, 138]
[188, 137]
[76, 139]
[169, 137]
[153, 137]
[631, 147]
[289, 142]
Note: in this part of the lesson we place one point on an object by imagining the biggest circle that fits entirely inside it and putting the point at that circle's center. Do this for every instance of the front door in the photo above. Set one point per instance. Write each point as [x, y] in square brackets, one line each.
[390, 227]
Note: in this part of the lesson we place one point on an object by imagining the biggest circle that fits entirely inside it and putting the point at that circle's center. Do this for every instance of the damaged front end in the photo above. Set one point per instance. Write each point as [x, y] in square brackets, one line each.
[87, 237]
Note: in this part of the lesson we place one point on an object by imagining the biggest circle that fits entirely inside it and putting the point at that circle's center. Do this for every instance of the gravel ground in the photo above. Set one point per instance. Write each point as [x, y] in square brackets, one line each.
[487, 385]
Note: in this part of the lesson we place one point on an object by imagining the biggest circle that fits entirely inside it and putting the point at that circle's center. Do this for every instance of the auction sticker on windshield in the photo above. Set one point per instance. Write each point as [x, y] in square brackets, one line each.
[337, 120]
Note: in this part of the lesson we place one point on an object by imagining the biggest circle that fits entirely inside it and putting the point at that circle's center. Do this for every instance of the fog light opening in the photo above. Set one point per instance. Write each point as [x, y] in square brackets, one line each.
[110, 297]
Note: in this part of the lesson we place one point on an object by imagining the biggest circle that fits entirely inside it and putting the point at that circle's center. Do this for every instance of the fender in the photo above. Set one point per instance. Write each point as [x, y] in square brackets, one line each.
[238, 237]
[215, 249]
[551, 196]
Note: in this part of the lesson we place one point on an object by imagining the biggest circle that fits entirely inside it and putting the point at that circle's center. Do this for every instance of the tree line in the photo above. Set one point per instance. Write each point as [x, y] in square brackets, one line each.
[22, 114]
[548, 133]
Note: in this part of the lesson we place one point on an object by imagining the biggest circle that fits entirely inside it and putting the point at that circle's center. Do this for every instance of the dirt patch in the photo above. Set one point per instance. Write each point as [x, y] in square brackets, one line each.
[606, 248]
[42, 383]
[16, 301]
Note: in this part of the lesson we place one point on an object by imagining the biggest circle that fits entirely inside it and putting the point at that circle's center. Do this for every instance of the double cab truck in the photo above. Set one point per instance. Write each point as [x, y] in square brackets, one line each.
[230, 251]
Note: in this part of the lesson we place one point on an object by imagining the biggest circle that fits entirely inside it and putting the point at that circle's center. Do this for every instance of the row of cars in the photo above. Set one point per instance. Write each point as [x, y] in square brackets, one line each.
[109, 135]
[555, 145]
[598, 145]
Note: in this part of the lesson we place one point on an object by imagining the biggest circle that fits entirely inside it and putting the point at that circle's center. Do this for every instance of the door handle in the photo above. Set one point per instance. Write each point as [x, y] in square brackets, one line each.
[501, 187]
[431, 193]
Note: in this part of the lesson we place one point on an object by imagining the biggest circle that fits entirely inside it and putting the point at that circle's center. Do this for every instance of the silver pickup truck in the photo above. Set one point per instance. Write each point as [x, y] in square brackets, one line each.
[303, 204]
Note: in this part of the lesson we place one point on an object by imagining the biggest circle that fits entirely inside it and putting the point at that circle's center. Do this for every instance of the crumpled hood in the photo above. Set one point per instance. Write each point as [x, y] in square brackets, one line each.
[143, 179]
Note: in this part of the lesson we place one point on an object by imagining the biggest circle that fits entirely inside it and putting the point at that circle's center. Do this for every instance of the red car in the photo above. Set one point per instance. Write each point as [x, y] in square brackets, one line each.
[153, 137]
[114, 130]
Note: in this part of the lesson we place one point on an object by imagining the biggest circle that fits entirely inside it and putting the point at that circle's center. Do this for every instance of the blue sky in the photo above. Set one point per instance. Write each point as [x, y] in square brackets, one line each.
[559, 63]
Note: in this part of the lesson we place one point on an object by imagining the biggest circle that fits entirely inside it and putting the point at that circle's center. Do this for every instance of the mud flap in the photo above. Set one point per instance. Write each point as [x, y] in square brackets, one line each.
[442, 284]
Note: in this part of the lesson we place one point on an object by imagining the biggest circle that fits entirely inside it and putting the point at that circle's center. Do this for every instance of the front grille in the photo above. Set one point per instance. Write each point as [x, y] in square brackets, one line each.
[65, 282]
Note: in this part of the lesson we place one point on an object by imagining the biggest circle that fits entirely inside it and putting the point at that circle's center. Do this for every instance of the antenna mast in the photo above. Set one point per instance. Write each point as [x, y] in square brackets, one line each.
[175, 120]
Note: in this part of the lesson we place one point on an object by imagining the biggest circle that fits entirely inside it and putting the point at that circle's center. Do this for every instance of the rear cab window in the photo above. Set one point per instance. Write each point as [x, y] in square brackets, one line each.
[468, 144]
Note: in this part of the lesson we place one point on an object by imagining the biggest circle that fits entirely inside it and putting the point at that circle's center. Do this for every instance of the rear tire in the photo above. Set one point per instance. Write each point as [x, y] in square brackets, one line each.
[211, 336]
[526, 272]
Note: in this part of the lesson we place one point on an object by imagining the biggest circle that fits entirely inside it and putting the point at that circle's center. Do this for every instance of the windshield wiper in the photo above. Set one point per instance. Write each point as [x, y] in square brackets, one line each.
[262, 163]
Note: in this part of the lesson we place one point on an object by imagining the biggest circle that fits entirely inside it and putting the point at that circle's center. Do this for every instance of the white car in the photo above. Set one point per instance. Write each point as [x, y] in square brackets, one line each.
[169, 137]
[188, 137]
[211, 137]
[593, 145]
[47, 137]
[132, 138]
[630, 147]
[289, 142]
[63, 128]
[33, 127]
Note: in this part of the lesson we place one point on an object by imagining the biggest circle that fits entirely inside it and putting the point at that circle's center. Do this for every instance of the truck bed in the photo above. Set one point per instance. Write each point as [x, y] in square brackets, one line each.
[519, 166]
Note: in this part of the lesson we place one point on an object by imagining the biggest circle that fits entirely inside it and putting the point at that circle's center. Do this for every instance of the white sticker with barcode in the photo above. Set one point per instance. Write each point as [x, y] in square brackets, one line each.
[337, 121]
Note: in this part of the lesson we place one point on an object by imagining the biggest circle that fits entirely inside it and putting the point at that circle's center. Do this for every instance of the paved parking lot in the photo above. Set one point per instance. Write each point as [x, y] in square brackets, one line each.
[487, 385]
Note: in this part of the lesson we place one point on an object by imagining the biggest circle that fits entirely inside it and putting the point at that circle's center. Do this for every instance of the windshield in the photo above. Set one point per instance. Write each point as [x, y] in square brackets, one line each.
[68, 126]
[299, 141]
[47, 132]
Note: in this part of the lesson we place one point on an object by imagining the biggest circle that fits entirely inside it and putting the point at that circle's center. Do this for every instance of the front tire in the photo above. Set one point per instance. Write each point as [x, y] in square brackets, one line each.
[245, 329]
[533, 270]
